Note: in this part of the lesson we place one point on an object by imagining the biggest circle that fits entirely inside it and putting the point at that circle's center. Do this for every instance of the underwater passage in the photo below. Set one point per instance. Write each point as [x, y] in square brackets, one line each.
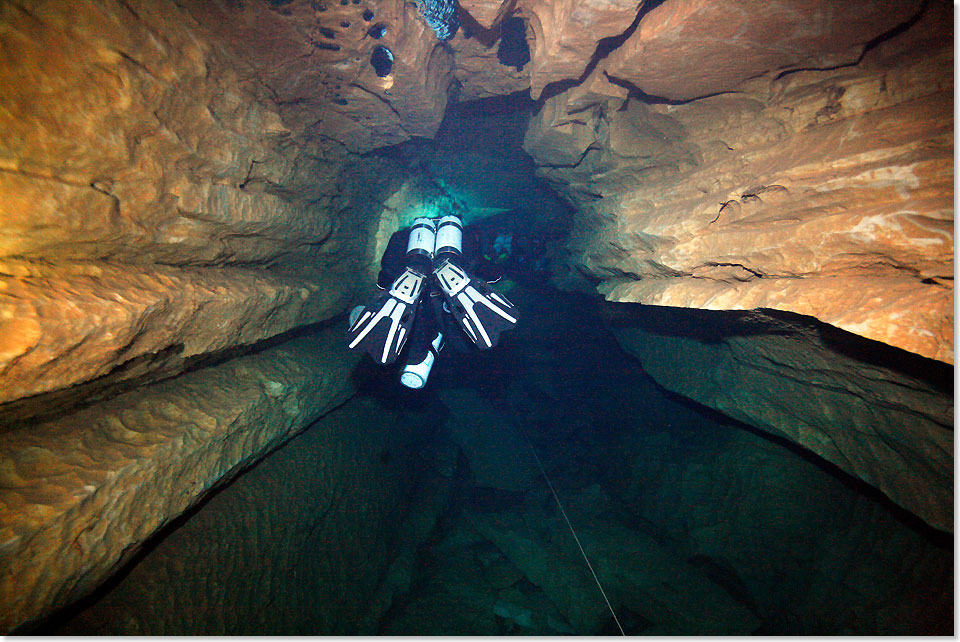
[443, 523]
[485, 317]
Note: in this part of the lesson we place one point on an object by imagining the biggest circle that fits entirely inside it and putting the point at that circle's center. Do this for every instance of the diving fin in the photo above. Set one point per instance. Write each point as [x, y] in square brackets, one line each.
[381, 329]
[481, 311]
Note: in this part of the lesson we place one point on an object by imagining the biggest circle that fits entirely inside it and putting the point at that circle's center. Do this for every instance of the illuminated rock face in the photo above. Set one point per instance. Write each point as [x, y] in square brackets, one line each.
[151, 174]
[884, 416]
[827, 193]
[730, 163]
[177, 181]
[696, 48]
[82, 493]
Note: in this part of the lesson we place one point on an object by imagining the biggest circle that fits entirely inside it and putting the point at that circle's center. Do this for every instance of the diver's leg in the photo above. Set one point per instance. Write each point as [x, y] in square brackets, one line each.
[383, 326]
[481, 311]
[426, 342]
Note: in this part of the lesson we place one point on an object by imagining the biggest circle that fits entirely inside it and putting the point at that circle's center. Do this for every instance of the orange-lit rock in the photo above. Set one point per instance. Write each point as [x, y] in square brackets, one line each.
[178, 180]
[686, 49]
[80, 494]
[480, 73]
[153, 144]
[566, 34]
[827, 193]
[182, 179]
[63, 327]
[487, 13]
[312, 59]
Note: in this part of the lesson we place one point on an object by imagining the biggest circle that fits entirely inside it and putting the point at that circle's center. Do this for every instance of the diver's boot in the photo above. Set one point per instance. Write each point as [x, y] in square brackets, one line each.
[481, 311]
[382, 327]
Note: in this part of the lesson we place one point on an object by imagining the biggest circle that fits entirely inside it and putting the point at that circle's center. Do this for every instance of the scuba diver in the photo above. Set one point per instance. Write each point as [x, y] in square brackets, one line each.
[434, 262]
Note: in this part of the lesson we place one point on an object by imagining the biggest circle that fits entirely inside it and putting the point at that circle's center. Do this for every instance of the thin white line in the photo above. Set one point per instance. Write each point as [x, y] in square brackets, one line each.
[569, 525]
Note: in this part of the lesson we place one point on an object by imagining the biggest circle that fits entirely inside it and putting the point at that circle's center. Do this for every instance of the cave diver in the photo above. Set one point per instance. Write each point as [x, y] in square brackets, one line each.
[435, 262]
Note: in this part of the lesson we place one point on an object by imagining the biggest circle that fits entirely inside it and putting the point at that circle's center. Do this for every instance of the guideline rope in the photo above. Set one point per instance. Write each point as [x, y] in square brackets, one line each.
[567, 519]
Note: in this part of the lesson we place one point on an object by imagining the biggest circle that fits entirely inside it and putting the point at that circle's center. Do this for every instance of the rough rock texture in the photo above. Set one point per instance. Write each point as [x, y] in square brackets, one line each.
[694, 48]
[312, 59]
[292, 544]
[827, 193]
[566, 35]
[809, 554]
[77, 322]
[169, 211]
[480, 74]
[887, 421]
[219, 134]
[182, 179]
[82, 493]
[487, 13]
[178, 180]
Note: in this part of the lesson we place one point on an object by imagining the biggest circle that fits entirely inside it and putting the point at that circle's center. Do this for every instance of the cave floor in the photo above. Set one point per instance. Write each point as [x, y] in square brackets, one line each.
[693, 524]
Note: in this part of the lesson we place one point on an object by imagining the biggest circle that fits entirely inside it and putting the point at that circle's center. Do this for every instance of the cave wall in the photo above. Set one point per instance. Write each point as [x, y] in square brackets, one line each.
[884, 416]
[83, 492]
[311, 541]
[796, 157]
[824, 190]
[145, 187]
[177, 181]
[180, 180]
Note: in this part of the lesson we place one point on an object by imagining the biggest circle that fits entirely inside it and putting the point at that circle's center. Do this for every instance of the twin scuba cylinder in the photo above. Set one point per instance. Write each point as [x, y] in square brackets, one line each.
[430, 241]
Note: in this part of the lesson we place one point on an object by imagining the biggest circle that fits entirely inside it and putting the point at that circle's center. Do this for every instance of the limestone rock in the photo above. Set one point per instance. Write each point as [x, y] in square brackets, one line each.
[827, 193]
[487, 13]
[685, 49]
[481, 74]
[60, 328]
[313, 59]
[888, 426]
[566, 34]
[291, 526]
[181, 208]
[557, 138]
[170, 161]
[82, 493]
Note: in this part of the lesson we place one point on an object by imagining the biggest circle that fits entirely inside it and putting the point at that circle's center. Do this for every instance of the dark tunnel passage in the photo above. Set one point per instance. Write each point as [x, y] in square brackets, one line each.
[517, 465]
[610, 467]
[694, 523]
